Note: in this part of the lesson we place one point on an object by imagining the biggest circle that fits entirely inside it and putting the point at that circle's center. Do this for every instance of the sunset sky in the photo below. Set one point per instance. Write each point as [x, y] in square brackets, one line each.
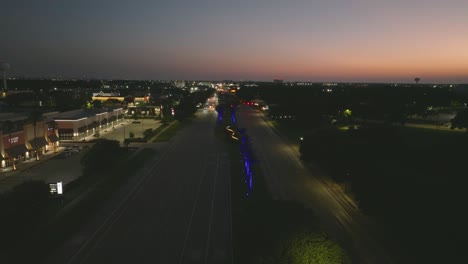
[315, 40]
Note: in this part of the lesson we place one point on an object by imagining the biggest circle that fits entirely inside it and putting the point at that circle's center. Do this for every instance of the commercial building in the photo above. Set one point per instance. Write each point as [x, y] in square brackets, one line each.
[101, 96]
[147, 110]
[22, 139]
[80, 123]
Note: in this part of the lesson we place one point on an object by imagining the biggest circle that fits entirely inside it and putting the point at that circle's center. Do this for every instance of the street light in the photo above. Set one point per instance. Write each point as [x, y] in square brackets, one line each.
[87, 129]
[117, 121]
[142, 115]
[99, 115]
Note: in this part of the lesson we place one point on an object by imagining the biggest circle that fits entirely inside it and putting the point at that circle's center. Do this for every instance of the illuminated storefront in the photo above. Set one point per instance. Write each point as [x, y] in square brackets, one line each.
[14, 148]
[26, 141]
[76, 125]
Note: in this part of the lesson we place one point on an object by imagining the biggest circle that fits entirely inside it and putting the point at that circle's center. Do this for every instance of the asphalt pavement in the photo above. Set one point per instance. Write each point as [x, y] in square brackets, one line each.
[122, 130]
[177, 209]
[51, 168]
[289, 179]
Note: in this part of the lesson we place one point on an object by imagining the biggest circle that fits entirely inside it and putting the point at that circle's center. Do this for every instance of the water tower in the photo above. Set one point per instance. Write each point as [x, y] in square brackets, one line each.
[4, 67]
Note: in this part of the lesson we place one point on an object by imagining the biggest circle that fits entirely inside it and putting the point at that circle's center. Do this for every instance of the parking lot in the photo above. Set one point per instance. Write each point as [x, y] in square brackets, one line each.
[53, 167]
[121, 131]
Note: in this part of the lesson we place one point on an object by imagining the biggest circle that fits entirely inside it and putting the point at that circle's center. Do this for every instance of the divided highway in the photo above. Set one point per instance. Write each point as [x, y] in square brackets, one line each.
[289, 179]
[177, 210]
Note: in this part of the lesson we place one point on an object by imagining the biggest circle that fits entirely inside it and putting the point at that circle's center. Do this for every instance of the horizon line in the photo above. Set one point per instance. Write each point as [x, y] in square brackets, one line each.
[225, 80]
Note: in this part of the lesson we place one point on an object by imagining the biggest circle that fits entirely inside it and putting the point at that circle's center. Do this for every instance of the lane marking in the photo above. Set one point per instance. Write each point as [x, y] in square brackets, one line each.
[231, 260]
[118, 211]
[212, 209]
[181, 258]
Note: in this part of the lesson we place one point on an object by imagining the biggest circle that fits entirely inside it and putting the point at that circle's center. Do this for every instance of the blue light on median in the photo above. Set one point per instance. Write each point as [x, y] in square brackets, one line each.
[233, 116]
[246, 152]
[220, 114]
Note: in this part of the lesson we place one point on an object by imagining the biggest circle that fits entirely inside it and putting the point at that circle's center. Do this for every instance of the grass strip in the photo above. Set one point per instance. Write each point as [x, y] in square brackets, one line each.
[169, 131]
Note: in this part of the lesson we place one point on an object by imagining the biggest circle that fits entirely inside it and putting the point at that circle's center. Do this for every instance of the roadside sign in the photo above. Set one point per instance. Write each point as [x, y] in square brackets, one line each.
[59, 188]
[53, 188]
[56, 188]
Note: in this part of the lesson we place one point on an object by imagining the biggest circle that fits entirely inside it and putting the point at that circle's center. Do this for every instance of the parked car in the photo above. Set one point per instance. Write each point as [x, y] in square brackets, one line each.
[71, 150]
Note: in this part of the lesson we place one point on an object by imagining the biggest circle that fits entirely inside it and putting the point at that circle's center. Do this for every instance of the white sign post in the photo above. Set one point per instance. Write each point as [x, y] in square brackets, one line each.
[59, 188]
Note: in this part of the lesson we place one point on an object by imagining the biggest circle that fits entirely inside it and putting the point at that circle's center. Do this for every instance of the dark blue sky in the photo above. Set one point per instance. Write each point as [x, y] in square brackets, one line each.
[322, 40]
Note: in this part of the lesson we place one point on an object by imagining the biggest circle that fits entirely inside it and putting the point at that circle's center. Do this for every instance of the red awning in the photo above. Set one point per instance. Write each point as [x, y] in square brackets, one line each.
[38, 143]
[16, 151]
[53, 138]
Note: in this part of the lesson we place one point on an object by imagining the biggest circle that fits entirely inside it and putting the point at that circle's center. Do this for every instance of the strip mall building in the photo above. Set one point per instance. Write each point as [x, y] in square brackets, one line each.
[78, 124]
[23, 140]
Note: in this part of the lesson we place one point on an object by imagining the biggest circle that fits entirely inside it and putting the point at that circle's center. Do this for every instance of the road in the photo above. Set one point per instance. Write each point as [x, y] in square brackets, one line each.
[289, 179]
[176, 211]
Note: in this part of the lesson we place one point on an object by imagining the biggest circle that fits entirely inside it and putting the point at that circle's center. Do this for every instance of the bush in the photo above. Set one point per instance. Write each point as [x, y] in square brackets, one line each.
[138, 139]
[148, 133]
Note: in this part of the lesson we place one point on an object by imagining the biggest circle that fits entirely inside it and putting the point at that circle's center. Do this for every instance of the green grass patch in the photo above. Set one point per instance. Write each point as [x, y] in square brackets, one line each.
[410, 180]
[168, 132]
[292, 133]
[158, 130]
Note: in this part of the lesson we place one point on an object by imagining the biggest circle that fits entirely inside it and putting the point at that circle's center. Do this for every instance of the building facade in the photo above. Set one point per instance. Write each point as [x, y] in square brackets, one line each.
[78, 124]
[25, 140]
[22, 139]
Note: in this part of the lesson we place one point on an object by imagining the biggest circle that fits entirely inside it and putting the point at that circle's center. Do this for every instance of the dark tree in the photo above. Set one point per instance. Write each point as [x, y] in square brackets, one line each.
[35, 117]
[147, 133]
[101, 156]
[460, 120]
[54, 126]
[97, 104]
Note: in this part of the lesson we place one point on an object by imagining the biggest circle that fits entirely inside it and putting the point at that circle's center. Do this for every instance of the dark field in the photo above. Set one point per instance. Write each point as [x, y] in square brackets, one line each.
[411, 181]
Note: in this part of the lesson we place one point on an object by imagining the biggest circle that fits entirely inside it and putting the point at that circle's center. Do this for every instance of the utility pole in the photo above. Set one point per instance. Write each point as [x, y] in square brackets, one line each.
[123, 123]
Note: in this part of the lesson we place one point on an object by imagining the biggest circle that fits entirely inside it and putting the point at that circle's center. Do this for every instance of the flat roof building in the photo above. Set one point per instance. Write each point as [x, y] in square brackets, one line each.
[80, 123]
